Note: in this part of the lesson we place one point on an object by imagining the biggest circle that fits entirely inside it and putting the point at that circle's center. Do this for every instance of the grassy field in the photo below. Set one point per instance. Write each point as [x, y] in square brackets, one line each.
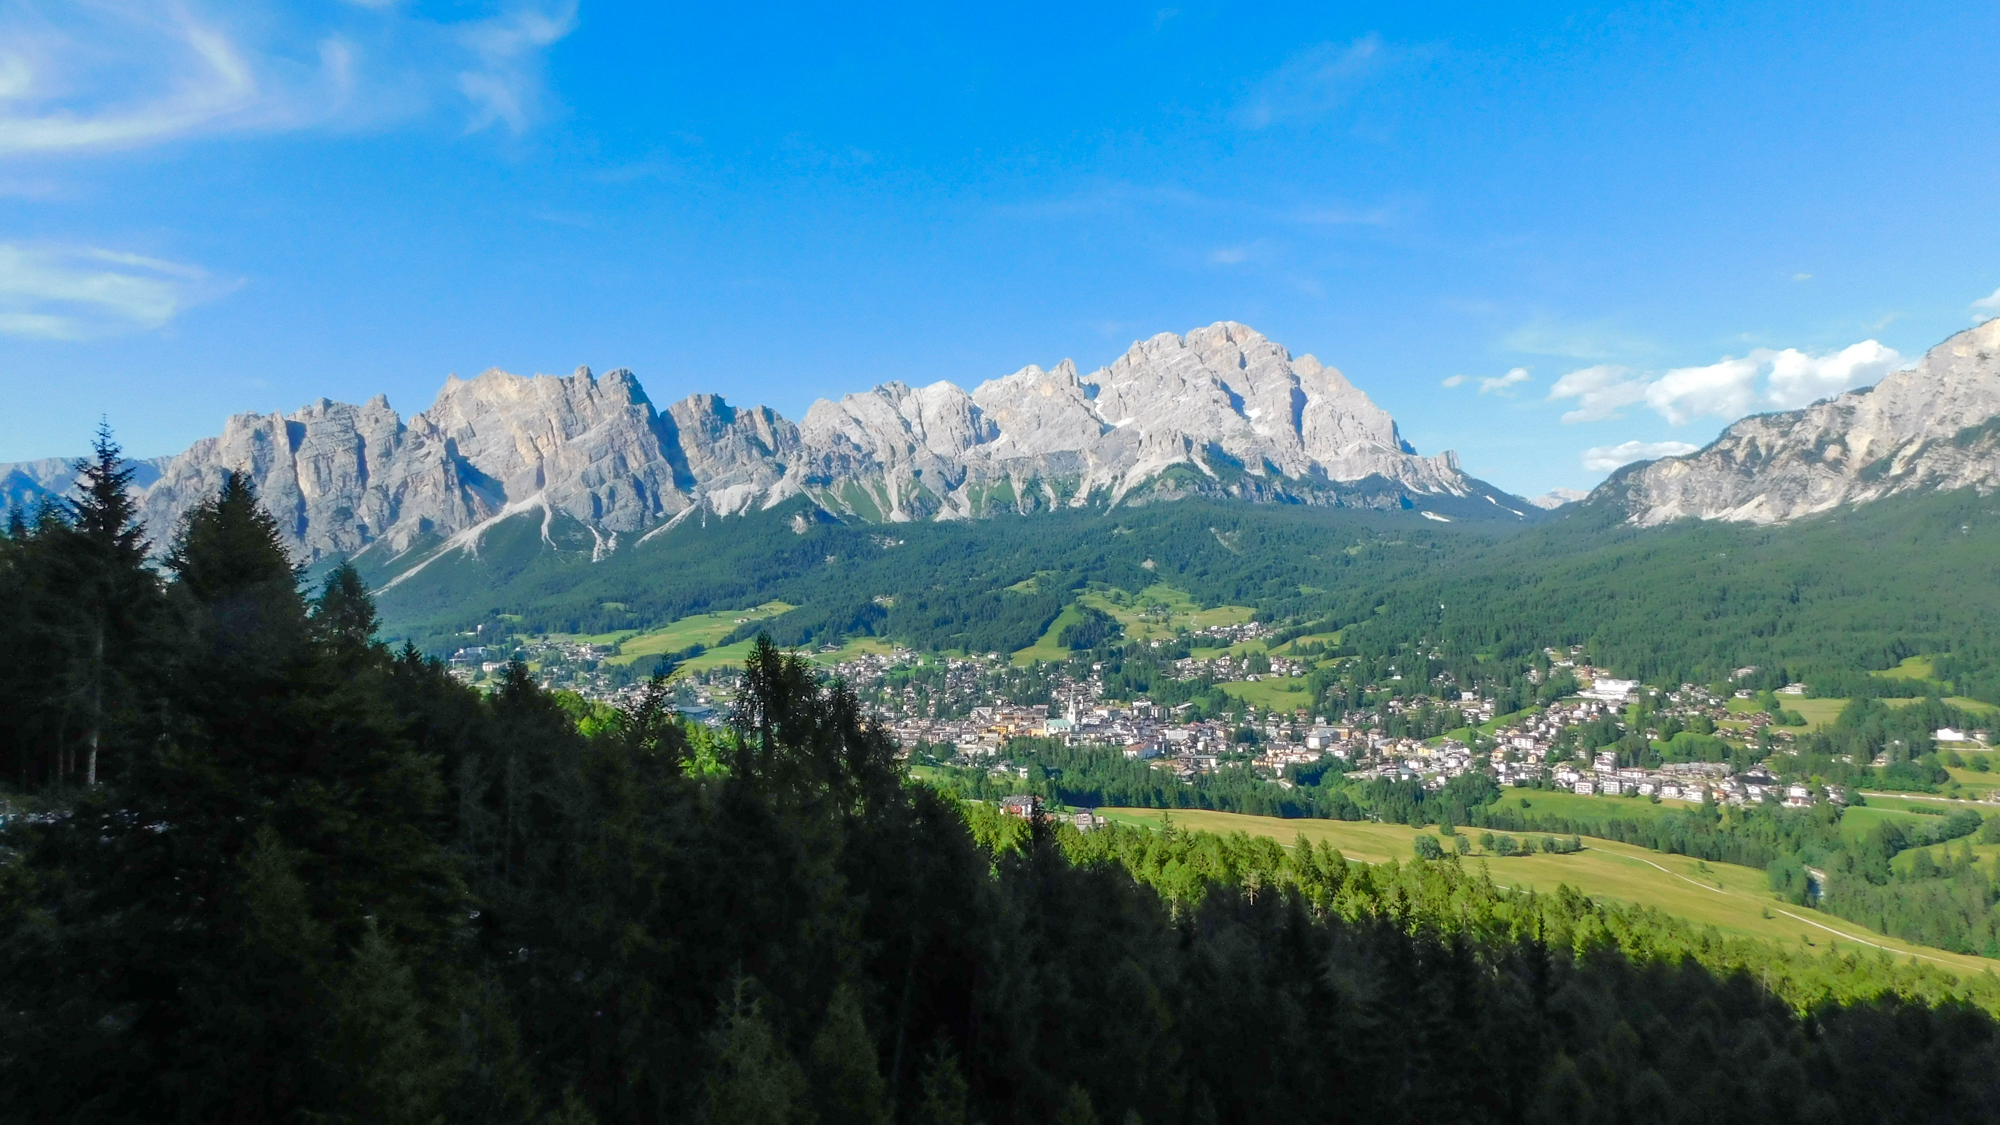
[1856, 823]
[1045, 647]
[1816, 712]
[1281, 693]
[1912, 668]
[706, 628]
[859, 646]
[1985, 853]
[1733, 899]
[1289, 648]
[1155, 613]
[1578, 807]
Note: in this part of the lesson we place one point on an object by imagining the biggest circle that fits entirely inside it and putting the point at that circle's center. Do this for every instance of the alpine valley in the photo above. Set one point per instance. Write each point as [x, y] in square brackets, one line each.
[1215, 463]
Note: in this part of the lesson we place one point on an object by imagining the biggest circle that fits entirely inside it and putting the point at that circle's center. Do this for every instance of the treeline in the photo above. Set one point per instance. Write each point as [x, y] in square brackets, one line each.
[1090, 777]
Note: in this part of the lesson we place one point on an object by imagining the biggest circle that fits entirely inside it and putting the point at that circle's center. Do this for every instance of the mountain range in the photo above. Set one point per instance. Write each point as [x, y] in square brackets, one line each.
[1219, 411]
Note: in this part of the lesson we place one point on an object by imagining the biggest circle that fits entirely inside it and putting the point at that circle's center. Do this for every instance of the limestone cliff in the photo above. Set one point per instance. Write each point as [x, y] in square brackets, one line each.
[1934, 427]
[1219, 411]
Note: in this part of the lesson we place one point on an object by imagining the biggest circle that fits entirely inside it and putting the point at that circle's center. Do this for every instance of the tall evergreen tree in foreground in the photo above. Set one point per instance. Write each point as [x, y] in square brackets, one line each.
[82, 625]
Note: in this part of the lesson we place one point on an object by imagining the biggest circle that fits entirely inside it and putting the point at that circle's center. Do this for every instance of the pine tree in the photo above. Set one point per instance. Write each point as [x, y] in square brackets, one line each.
[111, 592]
[846, 1075]
[752, 1079]
[947, 1097]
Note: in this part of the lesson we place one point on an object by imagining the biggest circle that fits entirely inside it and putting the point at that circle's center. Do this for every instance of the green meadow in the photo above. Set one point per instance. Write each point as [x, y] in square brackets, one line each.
[1735, 900]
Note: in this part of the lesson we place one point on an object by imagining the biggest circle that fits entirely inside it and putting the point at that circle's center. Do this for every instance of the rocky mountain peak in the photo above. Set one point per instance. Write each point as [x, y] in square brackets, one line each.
[1221, 410]
[1929, 427]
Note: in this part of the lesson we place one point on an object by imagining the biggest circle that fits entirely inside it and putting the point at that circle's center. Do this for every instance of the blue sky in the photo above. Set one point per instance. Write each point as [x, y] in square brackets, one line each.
[1536, 234]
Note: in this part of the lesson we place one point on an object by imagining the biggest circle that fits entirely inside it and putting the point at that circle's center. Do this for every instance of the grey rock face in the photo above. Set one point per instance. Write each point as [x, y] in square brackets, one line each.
[341, 478]
[1229, 409]
[1556, 497]
[1220, 401]
[1930, 428]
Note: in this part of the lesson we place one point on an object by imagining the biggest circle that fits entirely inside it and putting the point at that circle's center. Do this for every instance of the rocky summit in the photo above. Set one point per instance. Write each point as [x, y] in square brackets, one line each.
[1219, 411]
[1933, 427]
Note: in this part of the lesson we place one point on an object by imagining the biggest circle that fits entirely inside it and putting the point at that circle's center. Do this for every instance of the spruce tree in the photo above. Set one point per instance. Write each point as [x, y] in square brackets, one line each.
[112, 596]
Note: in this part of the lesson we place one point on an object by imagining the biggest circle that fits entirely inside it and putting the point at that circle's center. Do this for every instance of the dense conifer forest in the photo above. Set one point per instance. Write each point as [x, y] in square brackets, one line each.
[261, 867]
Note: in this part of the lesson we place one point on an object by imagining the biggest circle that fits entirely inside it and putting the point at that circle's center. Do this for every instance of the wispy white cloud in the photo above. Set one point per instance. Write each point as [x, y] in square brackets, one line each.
[1313, 82]
[85, 78]
[1499, 384]
[1604, 458]
[1335, 216]
[74, 293]
[1988, 304]
[1731, 387]
[199, 78]
[1455, 381]
[506, 85]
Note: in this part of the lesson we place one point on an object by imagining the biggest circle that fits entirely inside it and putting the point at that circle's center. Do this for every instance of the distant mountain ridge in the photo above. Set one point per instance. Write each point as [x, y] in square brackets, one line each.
[1934, 427]
[1219, 411]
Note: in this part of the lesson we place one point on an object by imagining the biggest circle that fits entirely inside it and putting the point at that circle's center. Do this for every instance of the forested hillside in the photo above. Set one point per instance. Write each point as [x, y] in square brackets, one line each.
[316, 879]
[1824, 597]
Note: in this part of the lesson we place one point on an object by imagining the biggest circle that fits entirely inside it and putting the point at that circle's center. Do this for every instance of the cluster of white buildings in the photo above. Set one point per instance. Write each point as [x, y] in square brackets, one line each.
[1227, 667]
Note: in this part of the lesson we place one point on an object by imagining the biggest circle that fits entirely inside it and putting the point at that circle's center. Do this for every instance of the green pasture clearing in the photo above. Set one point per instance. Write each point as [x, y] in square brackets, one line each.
[1924, 804]
[1816, 712]
[1912, 668]
[1493, 724]
[1984, 853]
[1856, 823]
[1045, 647]
[705, 628]
[1972, 782]
[1676, 885]
[1291, 647]
[1575, 806]
[1272, 693]
[1157, 612]
[728, 656]
[858, 646]
[1961, 702]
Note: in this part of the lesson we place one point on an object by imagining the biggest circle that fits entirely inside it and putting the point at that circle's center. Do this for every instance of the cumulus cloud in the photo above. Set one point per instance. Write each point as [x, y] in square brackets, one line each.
[1726, 389]
[1988, 304]
[74, 293]
[1766, 379]
[1499, 384]
[1604, 458]
[83, 78]
[1455, 381]
[1601, 391]
[1798, 379]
